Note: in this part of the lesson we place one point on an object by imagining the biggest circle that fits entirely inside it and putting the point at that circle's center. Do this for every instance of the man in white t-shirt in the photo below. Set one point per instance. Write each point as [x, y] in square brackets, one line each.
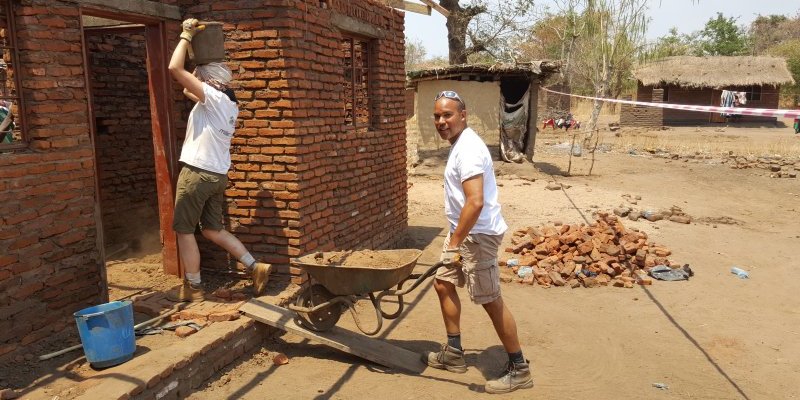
[475, 231]
[206, 158]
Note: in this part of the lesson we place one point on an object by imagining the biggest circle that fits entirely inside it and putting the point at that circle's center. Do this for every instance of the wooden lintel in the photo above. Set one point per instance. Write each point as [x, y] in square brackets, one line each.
[142, 7]
[358, 27]
[437, 7]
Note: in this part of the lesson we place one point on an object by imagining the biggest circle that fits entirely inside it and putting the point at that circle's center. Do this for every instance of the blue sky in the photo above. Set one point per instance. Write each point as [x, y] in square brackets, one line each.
[687, 15]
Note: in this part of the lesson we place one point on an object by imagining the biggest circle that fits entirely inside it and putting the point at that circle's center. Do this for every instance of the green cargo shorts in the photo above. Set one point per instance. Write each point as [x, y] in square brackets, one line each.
[198, 199]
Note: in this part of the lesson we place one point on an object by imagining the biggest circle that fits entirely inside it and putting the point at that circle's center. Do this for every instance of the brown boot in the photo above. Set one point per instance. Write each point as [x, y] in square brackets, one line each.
[516, 376]
[449, 358]
[187, 292]
[260, 273]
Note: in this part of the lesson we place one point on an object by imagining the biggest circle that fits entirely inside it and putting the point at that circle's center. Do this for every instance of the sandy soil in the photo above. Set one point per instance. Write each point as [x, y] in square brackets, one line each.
[713, 337]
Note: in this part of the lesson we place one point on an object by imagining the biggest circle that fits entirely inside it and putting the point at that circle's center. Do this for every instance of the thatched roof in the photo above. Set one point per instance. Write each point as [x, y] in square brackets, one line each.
[541, 68]
[715, 72]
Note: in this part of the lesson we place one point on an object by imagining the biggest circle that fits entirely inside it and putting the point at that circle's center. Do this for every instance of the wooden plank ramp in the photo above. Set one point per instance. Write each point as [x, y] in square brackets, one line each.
[357, 344]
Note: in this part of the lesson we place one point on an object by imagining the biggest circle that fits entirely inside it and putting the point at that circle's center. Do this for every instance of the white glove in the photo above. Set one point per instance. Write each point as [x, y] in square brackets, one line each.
[190, 27]
[450, 257]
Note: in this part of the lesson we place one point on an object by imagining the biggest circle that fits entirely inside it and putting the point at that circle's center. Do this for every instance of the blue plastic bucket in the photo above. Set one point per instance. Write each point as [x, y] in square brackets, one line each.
[107, 333]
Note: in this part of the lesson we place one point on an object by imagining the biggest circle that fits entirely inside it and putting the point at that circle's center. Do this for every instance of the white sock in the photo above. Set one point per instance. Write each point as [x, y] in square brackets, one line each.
[193, 278]
[248, 260]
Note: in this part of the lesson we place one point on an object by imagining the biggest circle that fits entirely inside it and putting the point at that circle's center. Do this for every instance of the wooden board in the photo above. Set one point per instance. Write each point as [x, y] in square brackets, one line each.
[357, 344]
[409, 6]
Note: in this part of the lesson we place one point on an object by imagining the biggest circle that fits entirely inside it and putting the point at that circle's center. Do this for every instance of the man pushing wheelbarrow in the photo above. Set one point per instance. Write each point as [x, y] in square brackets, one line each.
[475, 231]
[469, 258]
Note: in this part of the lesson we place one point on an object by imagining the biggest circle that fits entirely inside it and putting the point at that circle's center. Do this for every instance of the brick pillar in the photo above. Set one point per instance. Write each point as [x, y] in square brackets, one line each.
[626, 113]
[658, 113]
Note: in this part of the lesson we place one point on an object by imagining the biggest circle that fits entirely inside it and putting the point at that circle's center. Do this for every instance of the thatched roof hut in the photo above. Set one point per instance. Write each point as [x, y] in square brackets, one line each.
[701, 81]
[714, 72]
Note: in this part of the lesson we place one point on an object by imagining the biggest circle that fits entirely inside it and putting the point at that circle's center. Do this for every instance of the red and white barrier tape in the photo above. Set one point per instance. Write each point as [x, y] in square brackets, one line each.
[768, 112]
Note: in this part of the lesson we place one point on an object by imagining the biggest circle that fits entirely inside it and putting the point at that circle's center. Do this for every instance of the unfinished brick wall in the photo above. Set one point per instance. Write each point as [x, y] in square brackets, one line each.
[48, 255]
[631, 115]
[301, 180]
[50, 262]
[123, 138]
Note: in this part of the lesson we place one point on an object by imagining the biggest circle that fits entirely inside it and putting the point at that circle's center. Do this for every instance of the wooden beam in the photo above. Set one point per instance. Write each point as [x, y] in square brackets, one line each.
[363, 346]
[164, 142]
[409, 6]
[437, 7]
[140, 7]
[416, 8]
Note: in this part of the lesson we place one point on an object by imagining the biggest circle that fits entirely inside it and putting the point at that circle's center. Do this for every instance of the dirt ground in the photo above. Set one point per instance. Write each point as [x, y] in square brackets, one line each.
[712, 337]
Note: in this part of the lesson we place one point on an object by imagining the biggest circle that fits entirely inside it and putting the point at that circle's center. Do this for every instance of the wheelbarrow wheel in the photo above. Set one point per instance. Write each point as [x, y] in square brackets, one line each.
[323, 319]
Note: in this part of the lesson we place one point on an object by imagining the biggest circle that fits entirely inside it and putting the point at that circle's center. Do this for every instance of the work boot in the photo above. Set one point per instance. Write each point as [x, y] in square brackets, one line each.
[449, 358]
[188, 292]
[516, 376]
[260, 273]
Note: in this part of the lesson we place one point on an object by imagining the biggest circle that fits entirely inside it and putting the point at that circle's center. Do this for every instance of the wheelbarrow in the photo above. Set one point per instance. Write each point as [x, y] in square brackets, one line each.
[336, 288]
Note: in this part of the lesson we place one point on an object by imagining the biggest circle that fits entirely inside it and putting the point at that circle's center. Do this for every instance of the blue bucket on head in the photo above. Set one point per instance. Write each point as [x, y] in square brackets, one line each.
[107, 333]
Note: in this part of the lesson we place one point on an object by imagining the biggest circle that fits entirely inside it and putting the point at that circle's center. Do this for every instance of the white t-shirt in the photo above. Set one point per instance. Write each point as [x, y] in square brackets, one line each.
[209, 131]
[470, 157]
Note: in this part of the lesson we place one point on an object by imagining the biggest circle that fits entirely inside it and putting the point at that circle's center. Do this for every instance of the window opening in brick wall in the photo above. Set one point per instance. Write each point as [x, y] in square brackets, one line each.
[11, 131]
[753, 93]
[357, 102]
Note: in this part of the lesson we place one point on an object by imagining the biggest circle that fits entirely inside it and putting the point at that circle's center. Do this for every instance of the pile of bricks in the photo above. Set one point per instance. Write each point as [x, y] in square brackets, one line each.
[223, 306]
[674, 214]
[600, 254]
[779, 167]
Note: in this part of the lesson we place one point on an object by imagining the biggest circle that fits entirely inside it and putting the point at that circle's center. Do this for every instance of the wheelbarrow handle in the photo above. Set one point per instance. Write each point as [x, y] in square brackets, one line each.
[419, 279]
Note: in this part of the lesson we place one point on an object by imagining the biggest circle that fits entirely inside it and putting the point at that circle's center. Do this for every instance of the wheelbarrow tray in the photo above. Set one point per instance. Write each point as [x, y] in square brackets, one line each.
[347, 280]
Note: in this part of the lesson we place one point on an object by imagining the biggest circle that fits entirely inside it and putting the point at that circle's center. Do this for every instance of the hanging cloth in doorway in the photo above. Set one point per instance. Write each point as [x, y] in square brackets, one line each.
[726, 100]
[513, 128]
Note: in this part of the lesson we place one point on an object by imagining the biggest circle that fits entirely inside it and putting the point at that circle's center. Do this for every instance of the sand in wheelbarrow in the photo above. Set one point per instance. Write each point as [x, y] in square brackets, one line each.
[362, 258]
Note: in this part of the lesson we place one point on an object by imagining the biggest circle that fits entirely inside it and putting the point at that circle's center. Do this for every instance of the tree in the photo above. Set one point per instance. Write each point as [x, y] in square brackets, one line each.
[770, 30]
[479, 28]
[557, 32]
[672, 44]
[415, 55]
[614, 35]
[722, 37]
[789, 50]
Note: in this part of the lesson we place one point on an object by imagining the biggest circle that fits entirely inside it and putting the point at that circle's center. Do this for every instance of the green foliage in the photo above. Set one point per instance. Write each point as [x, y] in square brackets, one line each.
[722, 37]
[673, 44]
[770, 30]
[790, 50]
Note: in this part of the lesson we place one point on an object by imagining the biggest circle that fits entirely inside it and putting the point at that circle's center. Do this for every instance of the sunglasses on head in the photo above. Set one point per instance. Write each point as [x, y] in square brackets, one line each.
[450, 95]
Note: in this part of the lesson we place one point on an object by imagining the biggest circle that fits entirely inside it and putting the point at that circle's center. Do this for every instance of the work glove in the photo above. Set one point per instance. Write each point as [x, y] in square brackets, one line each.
[450, 257]
[190, 28]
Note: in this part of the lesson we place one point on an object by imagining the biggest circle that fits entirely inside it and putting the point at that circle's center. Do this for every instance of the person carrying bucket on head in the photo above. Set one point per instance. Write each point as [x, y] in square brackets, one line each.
[205, 159]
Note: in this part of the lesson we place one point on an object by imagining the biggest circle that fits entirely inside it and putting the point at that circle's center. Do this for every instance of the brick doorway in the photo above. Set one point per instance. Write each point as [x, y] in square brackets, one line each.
[134, 146]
